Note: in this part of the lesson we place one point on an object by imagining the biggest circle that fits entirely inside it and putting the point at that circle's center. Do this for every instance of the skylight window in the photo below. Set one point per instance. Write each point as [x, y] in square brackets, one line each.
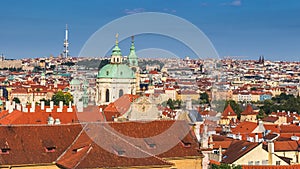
[186, 143]
[5, 150]
[225, 156]
[119, 150]
[150, 143]
[244, 147]
[50, 149]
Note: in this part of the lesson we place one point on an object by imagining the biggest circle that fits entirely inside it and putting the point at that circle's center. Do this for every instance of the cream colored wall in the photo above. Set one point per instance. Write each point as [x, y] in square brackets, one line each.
[255, 97]
[251, 118]
[187, 163]
[258, 154]
[290, 154]
[184, 97]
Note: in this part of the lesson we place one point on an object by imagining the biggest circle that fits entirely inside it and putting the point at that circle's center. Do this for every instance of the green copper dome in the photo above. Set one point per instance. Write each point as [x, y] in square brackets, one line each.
[75, 82]
[116, 51]
[116, 71]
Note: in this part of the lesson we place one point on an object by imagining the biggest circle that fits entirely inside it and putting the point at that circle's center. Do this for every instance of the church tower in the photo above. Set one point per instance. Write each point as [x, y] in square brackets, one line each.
[116, 57]
[115, 79]
[132, 58]
[133, 63]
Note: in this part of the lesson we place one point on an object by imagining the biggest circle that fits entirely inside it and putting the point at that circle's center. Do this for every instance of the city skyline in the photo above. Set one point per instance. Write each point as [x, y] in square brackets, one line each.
[235, 27]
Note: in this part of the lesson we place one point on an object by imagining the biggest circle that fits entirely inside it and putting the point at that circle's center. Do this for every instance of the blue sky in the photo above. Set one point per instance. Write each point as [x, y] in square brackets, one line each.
[35, 28]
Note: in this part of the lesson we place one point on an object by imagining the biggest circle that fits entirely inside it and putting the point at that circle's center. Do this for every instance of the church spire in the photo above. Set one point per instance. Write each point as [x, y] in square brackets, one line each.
[116, 56]
[133, 62]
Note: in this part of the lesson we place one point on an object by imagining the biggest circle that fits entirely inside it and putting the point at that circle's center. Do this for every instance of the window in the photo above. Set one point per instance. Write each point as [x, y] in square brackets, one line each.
[107, 95]
[185, 143]
[150, 143]
[49, 146]
[121, 92]
[5, 150]
[277, 162]
[264, 162]
[256, 162]
[250, 162]
[119, 150]
[75, 150]
[107, 73]
[50, 149]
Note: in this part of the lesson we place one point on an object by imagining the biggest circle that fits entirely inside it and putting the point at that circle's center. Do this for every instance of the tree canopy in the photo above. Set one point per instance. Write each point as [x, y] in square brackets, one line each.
[61, 96]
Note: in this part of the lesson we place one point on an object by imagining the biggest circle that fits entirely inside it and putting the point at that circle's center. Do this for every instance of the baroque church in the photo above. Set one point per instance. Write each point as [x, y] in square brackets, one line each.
[117, 78]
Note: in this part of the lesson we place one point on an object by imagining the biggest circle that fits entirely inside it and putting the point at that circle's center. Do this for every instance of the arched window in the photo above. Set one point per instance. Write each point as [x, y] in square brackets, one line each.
[107, 95]
[121, 92]
[117, 60]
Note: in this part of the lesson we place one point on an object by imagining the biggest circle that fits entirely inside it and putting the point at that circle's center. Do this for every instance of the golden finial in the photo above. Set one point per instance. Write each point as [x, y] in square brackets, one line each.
[117, 35]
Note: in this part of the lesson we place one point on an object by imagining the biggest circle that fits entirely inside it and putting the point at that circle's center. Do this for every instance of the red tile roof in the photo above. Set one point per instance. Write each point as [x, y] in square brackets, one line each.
[228, 111]
[237, 149]
[249, 111]
[119, 107]
[27, 144]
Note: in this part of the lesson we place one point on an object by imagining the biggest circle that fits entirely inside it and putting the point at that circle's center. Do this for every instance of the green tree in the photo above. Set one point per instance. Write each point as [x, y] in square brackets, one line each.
[61, 96]
[47, 102]
[16, 100]
[103, 63]
[261, 114]
[170, 103]
[204, 98]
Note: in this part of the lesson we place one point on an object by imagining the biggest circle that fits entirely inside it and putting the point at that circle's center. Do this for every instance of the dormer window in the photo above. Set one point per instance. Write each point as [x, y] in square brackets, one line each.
[150, 143]
[4, 147]
[107, 73]
[49, 146]
[75, 150]
[185, 143]
[119, 151]
[50, 149]
[5, 150]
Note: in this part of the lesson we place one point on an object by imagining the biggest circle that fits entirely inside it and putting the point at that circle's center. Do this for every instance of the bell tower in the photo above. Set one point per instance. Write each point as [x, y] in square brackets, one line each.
[116, 56]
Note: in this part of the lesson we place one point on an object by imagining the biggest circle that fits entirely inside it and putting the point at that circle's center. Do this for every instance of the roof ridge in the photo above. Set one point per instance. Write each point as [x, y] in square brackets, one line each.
[77, 137]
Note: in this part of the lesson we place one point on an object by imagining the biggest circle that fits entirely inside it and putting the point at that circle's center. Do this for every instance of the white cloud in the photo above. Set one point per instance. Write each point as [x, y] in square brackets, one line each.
[135, 10]
[233, 3]
[236, 3]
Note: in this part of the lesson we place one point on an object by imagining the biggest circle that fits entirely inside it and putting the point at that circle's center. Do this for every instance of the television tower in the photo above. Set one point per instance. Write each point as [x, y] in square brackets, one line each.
[66, 43]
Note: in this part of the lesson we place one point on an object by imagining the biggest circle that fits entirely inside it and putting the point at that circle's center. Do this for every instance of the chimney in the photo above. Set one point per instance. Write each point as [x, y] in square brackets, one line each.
[220, 153]
[197, 131]
[13, 104]
[256, 137]
[24, 108]
[261, 128]
[7, 105]
[32, 108]
[19, 107]
[10, 108]
[60, 108]
[51, 105]
[42, 105]
[270, 152]
[70, 107]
